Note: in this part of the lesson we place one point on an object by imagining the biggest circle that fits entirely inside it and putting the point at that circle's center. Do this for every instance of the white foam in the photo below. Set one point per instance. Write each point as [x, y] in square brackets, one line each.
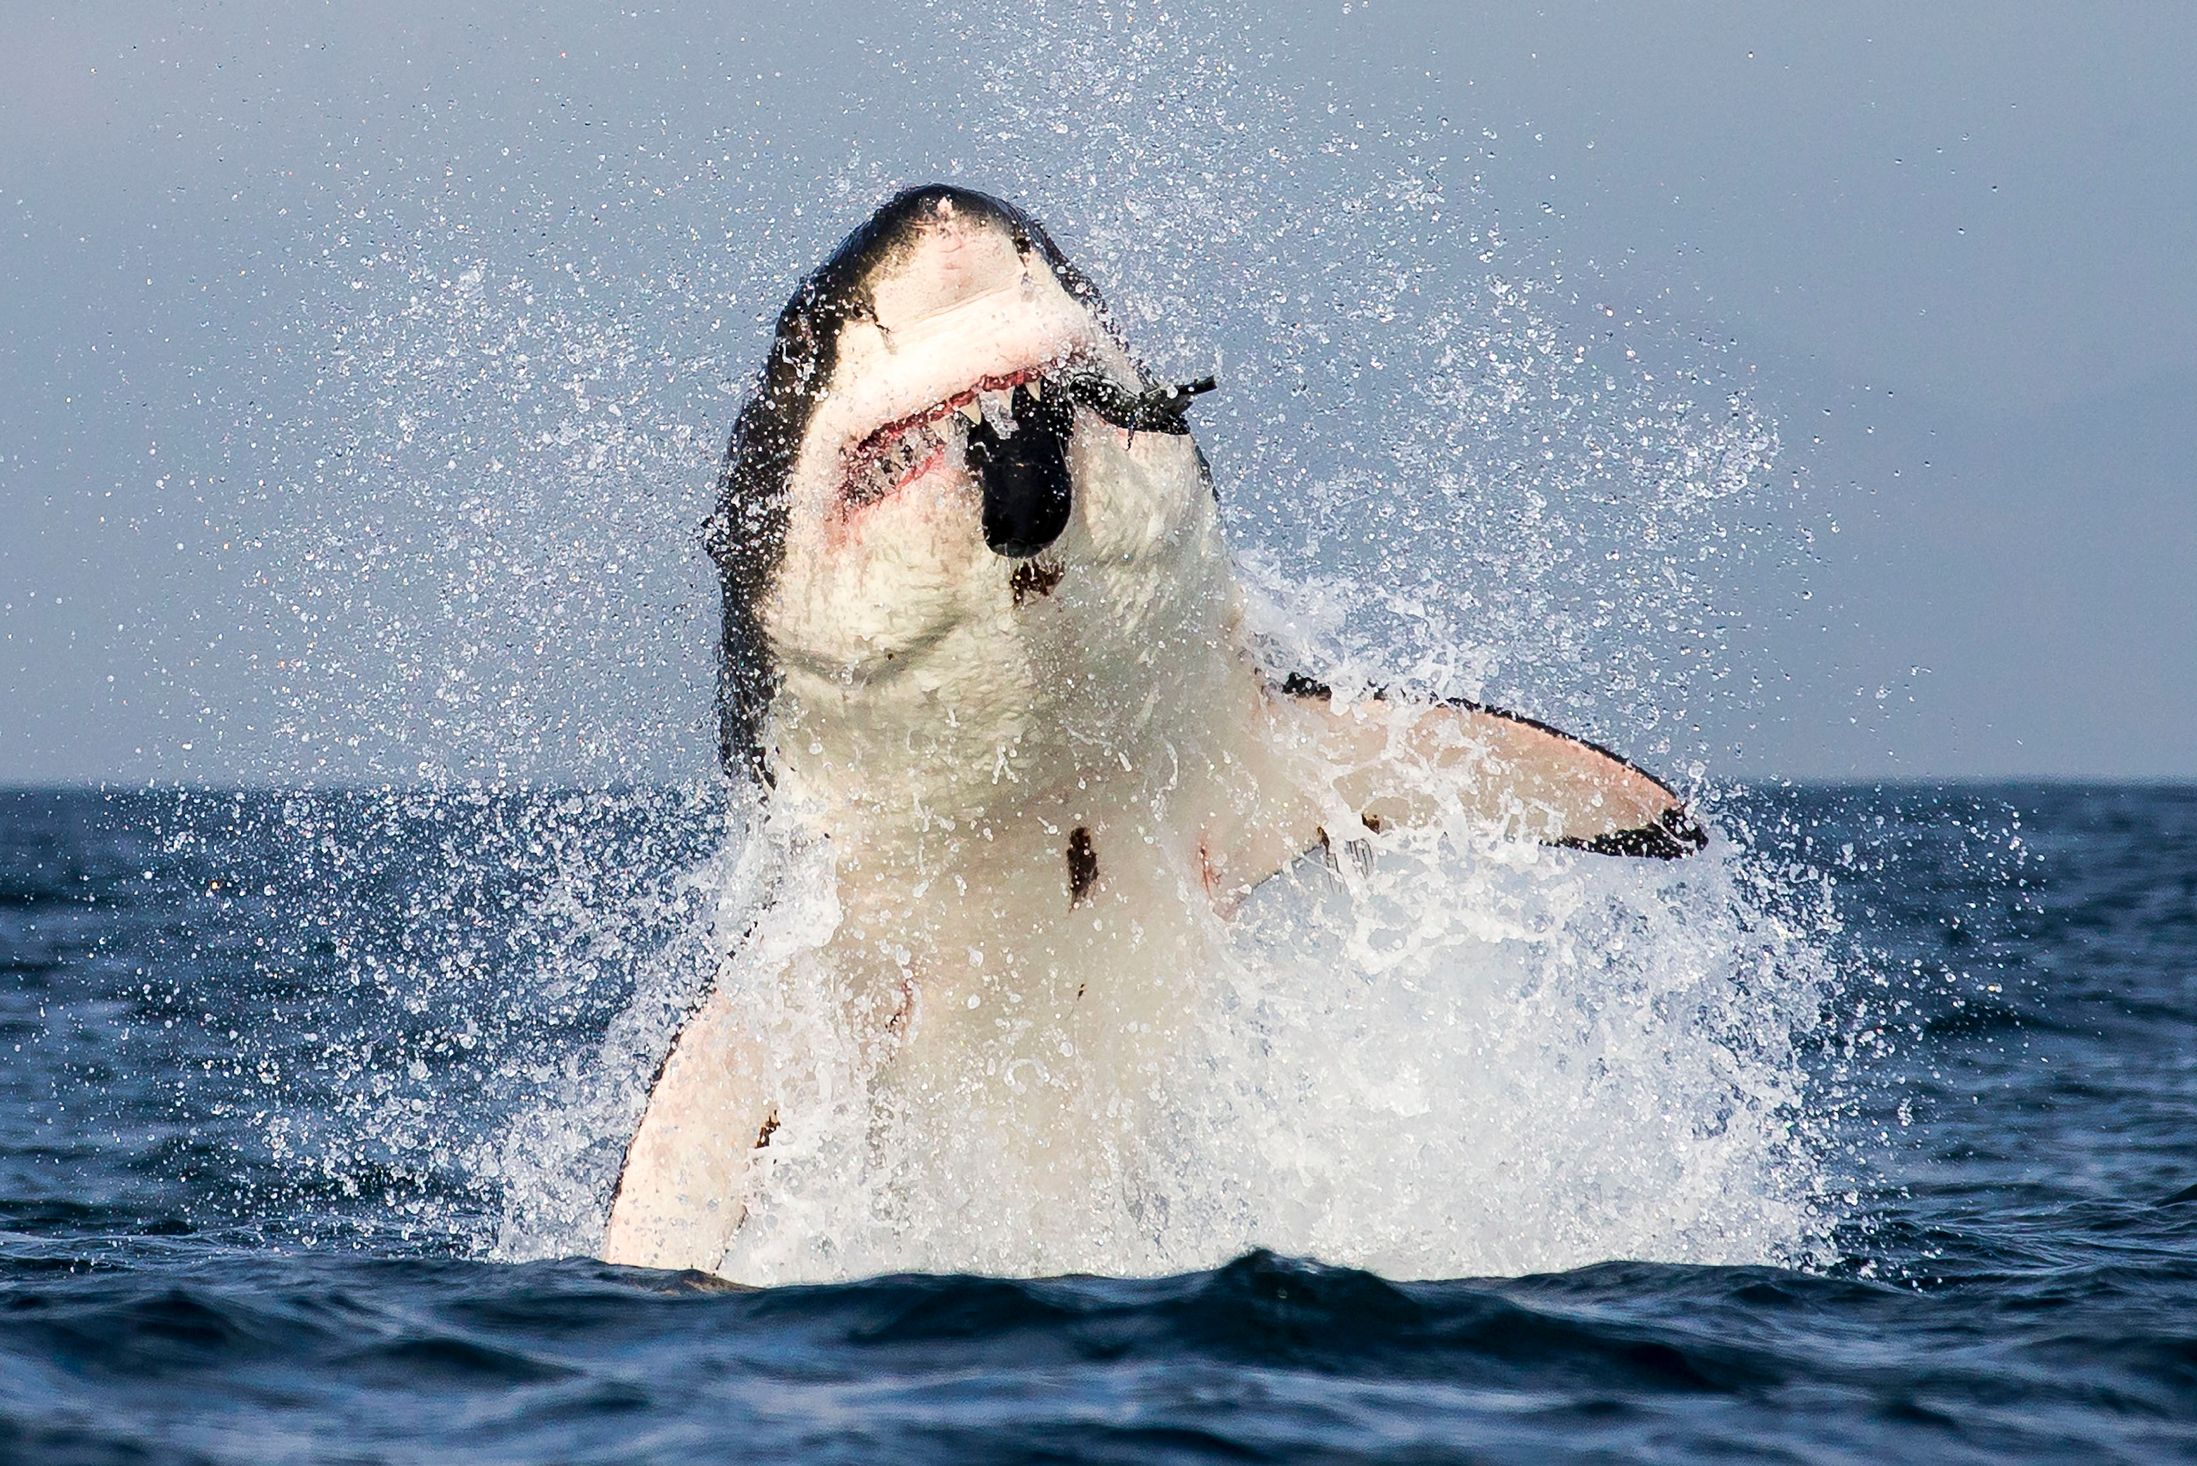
[1477, 1058]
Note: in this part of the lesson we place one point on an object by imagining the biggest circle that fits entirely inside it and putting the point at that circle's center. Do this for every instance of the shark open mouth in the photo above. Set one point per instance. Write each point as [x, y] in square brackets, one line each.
[1011, 431]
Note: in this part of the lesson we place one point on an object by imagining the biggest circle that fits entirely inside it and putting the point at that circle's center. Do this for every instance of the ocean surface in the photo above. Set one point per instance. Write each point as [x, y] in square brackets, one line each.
[274, 1070]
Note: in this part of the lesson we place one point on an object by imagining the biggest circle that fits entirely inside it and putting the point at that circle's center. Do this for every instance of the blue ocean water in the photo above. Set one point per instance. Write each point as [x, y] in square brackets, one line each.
[261, 1058]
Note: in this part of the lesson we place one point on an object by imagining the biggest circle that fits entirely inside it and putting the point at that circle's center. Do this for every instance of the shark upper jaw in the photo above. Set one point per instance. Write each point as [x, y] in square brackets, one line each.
[960, 307]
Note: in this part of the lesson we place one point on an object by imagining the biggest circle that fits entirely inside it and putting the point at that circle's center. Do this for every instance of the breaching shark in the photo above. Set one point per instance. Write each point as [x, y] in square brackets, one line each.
[984, 643]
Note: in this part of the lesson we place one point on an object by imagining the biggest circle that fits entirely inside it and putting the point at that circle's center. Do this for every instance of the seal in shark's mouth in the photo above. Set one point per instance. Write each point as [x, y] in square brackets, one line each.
[1011, 433]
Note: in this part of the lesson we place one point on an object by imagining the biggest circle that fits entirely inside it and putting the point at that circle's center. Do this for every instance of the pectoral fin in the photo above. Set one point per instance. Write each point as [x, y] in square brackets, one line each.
[682, 1191]
[1527, 777]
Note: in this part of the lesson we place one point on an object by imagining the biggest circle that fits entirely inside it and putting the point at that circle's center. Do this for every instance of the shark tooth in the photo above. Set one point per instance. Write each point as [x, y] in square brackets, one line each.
[999, 410]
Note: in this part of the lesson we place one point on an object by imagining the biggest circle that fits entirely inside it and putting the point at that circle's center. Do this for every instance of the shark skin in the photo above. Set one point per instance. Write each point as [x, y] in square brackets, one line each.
[984, 643]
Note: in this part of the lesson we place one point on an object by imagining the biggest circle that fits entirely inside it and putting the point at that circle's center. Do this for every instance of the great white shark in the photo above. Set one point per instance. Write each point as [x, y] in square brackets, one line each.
[983, 642]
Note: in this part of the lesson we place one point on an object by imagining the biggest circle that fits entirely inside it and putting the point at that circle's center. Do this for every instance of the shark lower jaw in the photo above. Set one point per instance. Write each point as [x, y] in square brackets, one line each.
[1007, 432]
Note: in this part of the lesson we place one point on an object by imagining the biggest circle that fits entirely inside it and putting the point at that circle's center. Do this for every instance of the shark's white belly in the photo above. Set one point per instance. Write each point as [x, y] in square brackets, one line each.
[1026, 822]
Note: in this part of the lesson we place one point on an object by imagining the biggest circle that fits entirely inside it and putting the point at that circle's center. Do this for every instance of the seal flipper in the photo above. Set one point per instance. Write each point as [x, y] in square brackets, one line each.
[1533, 779]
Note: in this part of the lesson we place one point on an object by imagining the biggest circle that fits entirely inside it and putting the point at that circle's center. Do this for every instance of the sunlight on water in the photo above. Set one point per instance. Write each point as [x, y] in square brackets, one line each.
[1450, 468]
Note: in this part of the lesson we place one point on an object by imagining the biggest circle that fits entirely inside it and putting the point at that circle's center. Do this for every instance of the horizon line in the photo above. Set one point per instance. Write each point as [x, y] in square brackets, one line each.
[1750, 783]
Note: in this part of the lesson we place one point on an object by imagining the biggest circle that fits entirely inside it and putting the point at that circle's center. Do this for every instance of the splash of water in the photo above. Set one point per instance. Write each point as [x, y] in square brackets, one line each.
[1450, 471]
[1472, 1058]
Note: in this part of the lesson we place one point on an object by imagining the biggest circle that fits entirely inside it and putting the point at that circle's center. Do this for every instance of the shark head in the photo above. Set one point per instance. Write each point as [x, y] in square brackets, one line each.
[947, 422]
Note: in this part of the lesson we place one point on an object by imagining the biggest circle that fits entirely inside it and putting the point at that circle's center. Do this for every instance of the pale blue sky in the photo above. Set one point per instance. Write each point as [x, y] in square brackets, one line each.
[280, 504]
